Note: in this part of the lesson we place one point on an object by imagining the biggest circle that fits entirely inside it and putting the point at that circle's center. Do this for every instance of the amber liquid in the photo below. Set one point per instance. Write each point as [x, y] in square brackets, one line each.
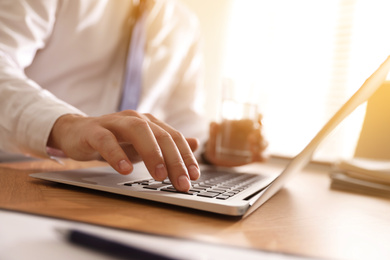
[232, 140]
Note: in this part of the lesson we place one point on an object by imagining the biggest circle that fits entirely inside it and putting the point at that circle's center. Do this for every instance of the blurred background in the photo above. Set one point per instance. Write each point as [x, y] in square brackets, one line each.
[305, 57]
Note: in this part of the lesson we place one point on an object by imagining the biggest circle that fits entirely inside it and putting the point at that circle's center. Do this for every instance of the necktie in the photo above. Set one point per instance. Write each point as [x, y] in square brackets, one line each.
[133, 74]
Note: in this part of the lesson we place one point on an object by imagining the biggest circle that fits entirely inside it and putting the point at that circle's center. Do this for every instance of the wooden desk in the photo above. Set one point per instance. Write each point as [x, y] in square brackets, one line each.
[305, 218]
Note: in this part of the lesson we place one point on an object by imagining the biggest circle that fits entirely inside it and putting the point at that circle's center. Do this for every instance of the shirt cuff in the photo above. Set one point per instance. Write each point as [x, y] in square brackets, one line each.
[37, 122]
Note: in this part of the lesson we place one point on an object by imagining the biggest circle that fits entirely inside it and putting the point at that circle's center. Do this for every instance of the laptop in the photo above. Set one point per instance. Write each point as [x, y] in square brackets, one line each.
[226, 191]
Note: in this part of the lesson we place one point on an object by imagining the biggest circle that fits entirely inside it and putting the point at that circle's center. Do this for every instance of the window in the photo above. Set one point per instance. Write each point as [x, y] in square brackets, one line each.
[306, 59]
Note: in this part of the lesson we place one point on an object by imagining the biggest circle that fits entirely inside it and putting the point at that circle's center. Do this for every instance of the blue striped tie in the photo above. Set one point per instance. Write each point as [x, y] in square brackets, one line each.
[132, 82]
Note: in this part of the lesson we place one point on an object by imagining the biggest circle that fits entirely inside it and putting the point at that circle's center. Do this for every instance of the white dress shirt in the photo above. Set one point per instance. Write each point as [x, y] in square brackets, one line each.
[68, 56]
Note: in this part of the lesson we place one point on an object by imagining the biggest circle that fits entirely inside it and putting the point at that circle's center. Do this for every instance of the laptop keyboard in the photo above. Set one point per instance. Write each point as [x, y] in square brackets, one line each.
[219, 185]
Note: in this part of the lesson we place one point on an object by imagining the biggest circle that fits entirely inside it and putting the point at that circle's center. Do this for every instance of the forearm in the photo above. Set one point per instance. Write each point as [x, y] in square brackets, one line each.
[28, 114]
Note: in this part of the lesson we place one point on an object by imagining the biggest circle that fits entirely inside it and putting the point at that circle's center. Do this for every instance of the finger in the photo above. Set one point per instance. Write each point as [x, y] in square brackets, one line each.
[131, 113]
[193, 143]
[104, 142]
[182, 145]
[137, 131]
[156, 148]
[174, 159]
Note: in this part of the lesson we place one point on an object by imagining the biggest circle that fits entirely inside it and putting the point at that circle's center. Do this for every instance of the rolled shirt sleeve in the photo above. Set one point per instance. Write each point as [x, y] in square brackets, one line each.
[27, 111]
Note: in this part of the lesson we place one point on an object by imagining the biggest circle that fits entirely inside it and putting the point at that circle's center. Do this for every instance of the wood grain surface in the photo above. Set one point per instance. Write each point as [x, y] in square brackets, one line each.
[305, 218]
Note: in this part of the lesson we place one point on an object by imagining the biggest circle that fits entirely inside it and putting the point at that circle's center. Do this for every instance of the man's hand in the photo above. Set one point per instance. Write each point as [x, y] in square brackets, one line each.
[258, 145]
[127, 137]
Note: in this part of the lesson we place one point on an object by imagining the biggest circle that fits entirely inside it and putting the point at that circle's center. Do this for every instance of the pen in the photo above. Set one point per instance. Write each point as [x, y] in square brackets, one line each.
[109, 247]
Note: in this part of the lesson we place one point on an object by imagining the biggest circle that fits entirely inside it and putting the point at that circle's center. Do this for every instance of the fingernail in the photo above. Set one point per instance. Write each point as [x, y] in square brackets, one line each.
[124, 166]
[194, 172]
[161, 172]
[184, 183]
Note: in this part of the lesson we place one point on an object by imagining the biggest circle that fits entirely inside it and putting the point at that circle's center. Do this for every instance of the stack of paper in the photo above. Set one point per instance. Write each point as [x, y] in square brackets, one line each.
[362, 175]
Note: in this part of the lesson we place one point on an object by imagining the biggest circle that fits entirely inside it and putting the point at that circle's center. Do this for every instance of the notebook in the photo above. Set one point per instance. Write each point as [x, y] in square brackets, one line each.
[224, 191]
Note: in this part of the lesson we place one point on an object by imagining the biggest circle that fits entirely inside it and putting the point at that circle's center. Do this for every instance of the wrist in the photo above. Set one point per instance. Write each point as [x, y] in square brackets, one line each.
[61, 126]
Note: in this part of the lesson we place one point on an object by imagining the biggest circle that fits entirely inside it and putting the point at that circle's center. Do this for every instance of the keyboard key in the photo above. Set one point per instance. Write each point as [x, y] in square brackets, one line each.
[155, 186]
[229, 193]
[195, 189]
[225, 186]
[174, 190]
[207, 194]
[170, 188]
[144, 182]
[216, 190]
[223, 197]
[203, 186]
